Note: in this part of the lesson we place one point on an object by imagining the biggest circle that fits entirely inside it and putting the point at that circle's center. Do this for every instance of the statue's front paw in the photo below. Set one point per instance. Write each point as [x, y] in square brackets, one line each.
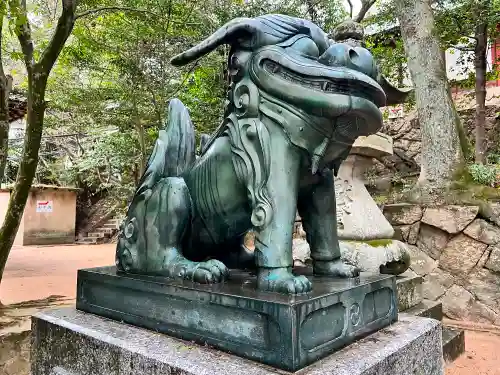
[209, 272]
[335, 268]
[281, 280]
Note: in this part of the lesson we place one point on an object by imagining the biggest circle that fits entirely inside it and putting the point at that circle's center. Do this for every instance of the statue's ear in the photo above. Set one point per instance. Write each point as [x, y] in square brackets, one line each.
[393, 94]
[235, 31]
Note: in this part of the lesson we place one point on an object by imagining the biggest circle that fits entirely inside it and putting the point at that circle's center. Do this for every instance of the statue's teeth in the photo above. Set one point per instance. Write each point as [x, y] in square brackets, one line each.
[324, 86]
[276, 68]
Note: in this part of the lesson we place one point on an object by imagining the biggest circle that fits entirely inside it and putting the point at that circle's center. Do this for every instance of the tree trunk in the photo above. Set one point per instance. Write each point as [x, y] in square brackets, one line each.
[442, 155]
[311, 9]
[27, 168]
[5, 88]
[480, 65]
[38, 74]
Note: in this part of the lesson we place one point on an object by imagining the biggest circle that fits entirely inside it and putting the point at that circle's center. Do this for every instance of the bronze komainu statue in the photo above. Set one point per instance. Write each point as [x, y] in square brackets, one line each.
[297, 101]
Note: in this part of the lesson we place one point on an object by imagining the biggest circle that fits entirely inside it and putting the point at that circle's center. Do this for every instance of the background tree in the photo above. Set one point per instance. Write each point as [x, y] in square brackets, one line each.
[442, 155]
[468, 26]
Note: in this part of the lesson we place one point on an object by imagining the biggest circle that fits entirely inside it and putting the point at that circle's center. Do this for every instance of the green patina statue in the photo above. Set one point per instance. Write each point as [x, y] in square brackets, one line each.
[297, 101]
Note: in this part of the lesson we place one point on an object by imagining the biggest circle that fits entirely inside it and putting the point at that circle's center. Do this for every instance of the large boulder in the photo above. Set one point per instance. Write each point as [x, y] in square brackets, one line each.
[403, 213]
[451, 219]
[432, 240]
[461, 255]
[493, 262]
[483, 231]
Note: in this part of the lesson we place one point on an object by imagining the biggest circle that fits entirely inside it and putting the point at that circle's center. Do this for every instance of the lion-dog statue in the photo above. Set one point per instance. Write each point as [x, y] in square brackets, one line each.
[296, 103]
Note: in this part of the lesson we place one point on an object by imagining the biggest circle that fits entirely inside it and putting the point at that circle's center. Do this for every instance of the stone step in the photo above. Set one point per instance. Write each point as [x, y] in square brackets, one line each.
[96, 234]
[107, 231]
[453, 339]
[409, 291]
[111, 225]
[89, 241]
[453, 344]
[116, 221]
[427, 309]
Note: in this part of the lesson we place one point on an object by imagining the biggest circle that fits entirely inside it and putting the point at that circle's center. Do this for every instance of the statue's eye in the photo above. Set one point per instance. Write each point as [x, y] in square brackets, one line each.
[305, 46]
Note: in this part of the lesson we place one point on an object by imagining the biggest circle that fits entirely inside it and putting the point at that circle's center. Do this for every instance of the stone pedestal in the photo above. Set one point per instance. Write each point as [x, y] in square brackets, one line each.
[71, 342]
[288, 332]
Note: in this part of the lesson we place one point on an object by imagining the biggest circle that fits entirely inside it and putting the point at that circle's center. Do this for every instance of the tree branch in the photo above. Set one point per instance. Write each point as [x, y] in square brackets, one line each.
[23, 32]
[365, 7]
[63, 30]
[351, 8]
[113, 8]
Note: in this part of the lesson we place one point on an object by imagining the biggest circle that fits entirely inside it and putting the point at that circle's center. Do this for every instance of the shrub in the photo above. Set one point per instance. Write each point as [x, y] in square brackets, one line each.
[484, 174]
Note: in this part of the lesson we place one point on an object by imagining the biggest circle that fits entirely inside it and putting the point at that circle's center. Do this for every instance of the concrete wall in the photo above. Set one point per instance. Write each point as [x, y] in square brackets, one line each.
[56, 227]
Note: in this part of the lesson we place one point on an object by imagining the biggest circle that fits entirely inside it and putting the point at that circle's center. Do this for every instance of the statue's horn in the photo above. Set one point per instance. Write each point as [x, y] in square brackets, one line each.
[393, 94]
[234, 30]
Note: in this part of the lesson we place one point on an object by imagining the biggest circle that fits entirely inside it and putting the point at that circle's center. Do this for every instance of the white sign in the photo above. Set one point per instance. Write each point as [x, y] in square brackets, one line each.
[396, 112]
[44, 206]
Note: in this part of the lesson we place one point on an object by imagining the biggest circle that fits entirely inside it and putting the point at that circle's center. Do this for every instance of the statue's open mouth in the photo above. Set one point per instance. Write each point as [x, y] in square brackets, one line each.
[326, 91]
[340, 86]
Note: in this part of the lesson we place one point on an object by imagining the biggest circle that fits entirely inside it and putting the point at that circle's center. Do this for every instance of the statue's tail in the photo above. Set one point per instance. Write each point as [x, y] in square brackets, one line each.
[174, 151]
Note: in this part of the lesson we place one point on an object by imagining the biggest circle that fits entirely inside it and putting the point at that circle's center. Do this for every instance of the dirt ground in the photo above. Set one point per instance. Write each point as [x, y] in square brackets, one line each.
[38, 272]
[482, 356]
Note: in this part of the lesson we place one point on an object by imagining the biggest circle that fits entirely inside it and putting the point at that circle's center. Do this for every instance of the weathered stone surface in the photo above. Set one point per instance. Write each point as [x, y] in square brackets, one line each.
[347, 30]
[480, 313]
[482, 261]
[404, 230]
[358, 215]
[409, 291]
[461, 255]
[373, 146]
[403, 213]
[413, 233]
[85, 344]
[453, 344]
[485, 285]
[421, 263]
[483, 231]
[451, 219]
[370, 258]
[457, 302]
[493, 262]
[300, 250]
[427, 309]
[436, 284]
[432, 240]
[492, 212]
[14, 353]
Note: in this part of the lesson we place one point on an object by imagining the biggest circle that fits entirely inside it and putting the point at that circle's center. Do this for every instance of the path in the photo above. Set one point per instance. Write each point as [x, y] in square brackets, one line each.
[36, 272]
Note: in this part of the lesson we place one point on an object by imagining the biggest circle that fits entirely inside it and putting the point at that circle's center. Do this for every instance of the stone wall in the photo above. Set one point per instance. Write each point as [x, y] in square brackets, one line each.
[456, 249]
[407, 139]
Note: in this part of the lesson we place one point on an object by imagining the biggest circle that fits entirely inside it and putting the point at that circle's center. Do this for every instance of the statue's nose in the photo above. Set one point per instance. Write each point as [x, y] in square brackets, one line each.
[356, 58]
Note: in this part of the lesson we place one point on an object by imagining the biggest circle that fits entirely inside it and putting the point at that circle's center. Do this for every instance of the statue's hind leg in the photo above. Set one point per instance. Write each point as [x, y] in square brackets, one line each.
[152, 238]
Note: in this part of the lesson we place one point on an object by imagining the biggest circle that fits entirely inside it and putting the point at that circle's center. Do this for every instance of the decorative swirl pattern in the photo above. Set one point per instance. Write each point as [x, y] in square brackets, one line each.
[250, 144]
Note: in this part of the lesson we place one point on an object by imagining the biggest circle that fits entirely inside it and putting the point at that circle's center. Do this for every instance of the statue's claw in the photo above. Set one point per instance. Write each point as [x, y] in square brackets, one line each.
[281, 280]
[335, 268]
[209, 272]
